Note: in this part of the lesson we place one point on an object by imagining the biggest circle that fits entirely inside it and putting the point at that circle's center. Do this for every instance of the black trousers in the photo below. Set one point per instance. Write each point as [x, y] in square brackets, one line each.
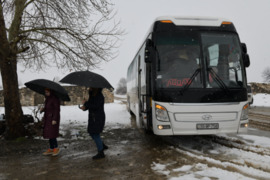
[53, 143]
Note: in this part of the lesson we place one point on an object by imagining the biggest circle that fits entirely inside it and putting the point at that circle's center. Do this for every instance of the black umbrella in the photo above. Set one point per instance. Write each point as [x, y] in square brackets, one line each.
[88, 79]
[39, 86]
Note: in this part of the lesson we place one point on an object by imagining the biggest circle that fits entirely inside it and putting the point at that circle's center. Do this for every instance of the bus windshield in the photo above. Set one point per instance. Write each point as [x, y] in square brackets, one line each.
[199, 59]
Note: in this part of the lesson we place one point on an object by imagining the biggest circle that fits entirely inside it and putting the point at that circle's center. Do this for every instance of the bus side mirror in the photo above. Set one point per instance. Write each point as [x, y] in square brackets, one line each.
[244, 48]
[246, 60]
[245, 55]
[149, 50]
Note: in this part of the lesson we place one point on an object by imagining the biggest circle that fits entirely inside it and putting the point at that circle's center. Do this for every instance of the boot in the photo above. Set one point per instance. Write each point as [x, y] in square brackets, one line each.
[105, 147]
[99, 155]
[48, 152]
[56, 151]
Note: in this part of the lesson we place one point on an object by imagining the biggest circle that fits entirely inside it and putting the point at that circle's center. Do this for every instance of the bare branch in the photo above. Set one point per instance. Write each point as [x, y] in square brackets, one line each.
[71, 34]
[28, 3]
[266, 74]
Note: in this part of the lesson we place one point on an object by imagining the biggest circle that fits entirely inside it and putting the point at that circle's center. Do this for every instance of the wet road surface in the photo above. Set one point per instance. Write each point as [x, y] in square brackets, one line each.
[132, 154]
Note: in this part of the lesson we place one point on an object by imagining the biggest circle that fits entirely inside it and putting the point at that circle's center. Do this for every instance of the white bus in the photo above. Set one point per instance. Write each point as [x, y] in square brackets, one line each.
[189, 78]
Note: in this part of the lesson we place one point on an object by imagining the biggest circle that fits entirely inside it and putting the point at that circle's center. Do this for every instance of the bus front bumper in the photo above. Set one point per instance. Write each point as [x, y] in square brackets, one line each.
[206, 120]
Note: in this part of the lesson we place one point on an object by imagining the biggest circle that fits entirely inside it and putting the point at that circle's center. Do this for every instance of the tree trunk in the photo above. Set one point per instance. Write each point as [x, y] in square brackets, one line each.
[8, 67]
[13, 110]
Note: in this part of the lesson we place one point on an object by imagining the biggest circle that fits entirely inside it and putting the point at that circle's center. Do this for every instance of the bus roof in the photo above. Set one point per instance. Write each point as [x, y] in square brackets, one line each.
[193, 21]
[189, 21]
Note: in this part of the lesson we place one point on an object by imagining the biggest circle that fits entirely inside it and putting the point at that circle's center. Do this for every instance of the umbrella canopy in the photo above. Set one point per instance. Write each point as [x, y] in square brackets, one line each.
[88, 79]
[39, 86]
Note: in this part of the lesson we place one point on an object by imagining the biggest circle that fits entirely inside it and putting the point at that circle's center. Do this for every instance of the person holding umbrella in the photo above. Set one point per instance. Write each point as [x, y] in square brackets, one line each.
[96, 119]
[51, 122]
[53, 92]
[94, 105]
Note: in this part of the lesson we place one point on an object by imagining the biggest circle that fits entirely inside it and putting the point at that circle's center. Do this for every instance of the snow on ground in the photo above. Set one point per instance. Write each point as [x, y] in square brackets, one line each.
[225, 163]
[261, 100]
[76, 120]
[116, 114]
[120, 96]
[256, 140]
[203, 172]
[118, 117]
[239, 158]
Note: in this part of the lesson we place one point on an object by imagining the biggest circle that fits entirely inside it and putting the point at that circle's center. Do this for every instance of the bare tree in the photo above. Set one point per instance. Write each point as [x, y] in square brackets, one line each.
[75, 35]
[122, 87]
[266, 74]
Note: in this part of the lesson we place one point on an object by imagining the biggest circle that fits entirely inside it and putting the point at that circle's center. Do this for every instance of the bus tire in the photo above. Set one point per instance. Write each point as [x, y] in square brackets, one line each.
[147, 130]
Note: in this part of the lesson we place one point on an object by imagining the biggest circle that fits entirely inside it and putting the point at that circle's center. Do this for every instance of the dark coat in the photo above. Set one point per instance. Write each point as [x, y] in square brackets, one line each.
[96, 117]
[52, 112]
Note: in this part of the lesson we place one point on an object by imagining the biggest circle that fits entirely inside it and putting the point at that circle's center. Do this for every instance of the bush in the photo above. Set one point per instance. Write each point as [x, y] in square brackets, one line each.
[122, 87]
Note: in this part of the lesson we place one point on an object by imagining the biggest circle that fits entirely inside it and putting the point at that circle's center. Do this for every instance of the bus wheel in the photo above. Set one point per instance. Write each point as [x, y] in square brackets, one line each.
[148, 131]
[146, 128]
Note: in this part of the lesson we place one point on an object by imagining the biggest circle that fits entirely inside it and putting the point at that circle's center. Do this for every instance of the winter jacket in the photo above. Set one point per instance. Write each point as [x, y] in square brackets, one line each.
[96, 117]
[52, 112]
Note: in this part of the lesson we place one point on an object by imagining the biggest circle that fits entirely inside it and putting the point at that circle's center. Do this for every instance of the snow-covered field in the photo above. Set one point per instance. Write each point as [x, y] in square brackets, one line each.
[242, 156]
[261, 100]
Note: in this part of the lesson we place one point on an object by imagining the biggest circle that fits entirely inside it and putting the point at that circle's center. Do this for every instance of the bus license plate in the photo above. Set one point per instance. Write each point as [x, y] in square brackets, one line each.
[208, 126]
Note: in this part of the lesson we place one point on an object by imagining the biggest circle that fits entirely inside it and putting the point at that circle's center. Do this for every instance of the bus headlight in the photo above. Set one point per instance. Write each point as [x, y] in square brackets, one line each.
[161, 113]
[244, 115]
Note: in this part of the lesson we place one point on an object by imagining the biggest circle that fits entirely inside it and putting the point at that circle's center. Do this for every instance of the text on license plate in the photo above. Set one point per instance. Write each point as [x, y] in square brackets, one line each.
[207, 126]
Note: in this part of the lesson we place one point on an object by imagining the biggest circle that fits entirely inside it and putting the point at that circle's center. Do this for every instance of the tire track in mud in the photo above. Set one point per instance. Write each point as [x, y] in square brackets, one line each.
[239, 144]
[255, 167]
[260, 116]
[199, 152]
[260, 121]
[244, 148]
[233, 167]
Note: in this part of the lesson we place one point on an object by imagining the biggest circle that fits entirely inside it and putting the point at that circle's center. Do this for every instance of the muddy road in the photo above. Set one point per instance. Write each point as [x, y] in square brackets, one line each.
[129, 155]
[132, 154]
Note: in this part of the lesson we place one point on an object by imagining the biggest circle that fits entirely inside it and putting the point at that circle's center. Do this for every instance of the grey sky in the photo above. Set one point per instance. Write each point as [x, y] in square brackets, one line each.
[250, 18]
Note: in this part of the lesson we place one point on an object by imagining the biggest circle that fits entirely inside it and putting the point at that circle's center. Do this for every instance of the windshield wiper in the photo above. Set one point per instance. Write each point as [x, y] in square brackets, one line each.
[191, 79]
[219, 81]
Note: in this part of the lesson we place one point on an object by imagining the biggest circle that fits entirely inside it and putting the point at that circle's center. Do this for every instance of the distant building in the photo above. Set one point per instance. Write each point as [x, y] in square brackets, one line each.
[76, 94]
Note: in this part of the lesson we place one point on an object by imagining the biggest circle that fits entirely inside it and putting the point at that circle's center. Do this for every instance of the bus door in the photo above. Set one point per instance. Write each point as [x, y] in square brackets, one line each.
[144, 86]
[140, 97]
[148, 99]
